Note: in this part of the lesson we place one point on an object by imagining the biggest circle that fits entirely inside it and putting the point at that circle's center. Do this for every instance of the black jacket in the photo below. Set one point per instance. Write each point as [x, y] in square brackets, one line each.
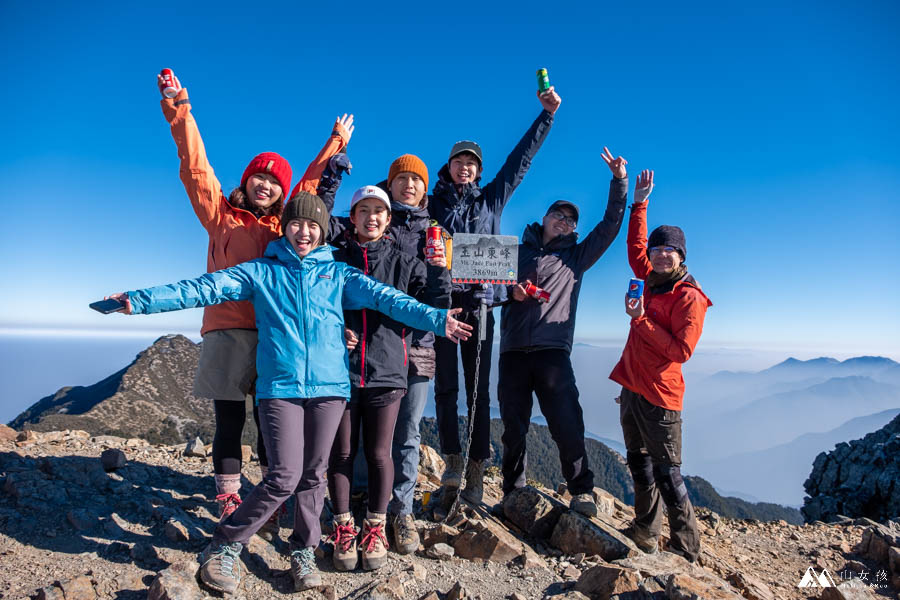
[558, 268]
[407, 232]
[475, 209]
[381, 357]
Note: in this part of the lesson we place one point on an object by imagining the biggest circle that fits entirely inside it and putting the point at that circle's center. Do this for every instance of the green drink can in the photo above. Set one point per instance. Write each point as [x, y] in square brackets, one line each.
[543, 81]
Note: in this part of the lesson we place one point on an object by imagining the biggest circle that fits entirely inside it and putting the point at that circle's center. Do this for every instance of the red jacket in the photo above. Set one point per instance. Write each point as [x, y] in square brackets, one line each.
[235, 235]
[665, 336]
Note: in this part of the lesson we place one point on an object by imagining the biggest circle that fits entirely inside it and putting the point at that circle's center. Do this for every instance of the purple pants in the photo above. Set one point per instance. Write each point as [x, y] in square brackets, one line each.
[298, 434]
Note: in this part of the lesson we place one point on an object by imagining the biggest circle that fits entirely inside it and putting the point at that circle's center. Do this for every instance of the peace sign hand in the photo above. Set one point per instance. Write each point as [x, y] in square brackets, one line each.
[644, 186]
[616, 165]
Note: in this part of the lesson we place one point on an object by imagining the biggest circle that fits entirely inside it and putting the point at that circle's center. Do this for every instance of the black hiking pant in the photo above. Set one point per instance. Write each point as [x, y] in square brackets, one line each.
[446, 389]
[547, 374]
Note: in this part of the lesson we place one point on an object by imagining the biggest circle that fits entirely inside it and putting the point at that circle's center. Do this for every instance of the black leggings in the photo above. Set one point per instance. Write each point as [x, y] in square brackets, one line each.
[377, 409]
[226, 447]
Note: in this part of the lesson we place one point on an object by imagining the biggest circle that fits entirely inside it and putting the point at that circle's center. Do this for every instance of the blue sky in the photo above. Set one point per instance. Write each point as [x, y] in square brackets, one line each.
[773, 133]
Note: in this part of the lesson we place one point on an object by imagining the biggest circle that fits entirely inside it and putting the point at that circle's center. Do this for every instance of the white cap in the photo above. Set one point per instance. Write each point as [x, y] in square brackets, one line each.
[370, 191]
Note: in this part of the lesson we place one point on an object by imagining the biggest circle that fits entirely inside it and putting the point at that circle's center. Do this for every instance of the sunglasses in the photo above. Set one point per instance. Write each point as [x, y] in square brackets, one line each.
[661, 249]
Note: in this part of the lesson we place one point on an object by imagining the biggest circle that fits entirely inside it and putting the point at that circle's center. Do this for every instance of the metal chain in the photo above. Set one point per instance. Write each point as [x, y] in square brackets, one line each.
[471, 425]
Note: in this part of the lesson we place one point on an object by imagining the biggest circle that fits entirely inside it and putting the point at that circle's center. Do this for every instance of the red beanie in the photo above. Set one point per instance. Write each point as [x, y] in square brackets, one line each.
[272, 164]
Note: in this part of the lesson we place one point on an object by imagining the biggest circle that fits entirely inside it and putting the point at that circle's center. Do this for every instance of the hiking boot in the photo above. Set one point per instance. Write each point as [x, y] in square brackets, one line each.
[374, 544]
[345, 555]
[584, 504]
[646, 543]
[228, 503]
[474, 490]
[406, 538]
[304, 570]
[452, 477]
[272, 527]
[220, 567]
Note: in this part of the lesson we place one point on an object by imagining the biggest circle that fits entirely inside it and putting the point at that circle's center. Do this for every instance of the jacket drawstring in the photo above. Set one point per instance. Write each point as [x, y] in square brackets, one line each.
[362, 370]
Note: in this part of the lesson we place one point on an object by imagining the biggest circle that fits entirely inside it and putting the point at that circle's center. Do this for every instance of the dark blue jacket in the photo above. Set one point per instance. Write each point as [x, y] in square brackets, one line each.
[558, 268]
[471, 208]
[381, 358]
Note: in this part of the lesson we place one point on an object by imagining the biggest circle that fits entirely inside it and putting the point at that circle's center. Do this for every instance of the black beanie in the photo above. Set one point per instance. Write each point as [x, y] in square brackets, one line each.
[304, 205]
[668, 235]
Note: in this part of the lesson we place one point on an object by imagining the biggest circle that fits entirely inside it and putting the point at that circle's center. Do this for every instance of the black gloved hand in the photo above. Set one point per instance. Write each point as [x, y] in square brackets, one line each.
[337, 164]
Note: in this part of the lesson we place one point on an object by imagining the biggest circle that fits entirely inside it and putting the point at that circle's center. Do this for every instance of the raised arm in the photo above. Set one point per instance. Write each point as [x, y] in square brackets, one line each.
[327, 189]
[197, 175]
[637, 227]
[602, 236]
[337, 142]
[233, 283]
[499, 191]
[361, 291]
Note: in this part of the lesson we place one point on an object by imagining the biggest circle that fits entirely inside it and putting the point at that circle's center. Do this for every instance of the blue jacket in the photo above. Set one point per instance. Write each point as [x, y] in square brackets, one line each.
[299, 306]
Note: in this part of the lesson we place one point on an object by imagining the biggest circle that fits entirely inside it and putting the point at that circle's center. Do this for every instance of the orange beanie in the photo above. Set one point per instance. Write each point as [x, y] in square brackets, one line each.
[408, 163]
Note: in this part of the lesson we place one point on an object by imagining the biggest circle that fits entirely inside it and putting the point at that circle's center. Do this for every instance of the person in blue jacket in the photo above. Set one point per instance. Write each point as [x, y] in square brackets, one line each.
[460, 204]
[299, 293]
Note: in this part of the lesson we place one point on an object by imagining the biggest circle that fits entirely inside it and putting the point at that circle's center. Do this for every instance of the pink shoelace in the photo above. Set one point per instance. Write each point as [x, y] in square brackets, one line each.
[343, 535]
[229, 503]
[372, 534]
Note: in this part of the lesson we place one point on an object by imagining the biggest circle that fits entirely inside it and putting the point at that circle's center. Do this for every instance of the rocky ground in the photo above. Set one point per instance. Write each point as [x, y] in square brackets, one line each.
[86, 517]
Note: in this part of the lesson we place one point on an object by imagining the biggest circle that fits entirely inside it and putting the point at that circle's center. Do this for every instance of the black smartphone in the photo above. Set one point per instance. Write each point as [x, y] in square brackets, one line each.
[110, 305]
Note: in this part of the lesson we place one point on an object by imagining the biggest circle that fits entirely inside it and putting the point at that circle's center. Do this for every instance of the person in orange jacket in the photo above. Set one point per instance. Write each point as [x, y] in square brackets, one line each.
[239, 227]
[666, 323]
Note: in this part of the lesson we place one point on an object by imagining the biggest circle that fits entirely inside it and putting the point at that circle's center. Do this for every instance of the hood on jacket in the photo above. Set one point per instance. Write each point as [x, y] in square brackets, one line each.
[282, 251]
[351, 244]
[445, 184]
[534, 236]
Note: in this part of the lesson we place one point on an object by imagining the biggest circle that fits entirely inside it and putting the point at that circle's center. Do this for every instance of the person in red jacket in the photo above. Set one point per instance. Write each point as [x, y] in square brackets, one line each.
[240, 226]
[666, 324]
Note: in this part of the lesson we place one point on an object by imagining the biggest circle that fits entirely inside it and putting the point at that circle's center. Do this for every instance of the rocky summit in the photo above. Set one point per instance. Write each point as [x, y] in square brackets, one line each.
[857, 479]
[150, 398]
[103, 517]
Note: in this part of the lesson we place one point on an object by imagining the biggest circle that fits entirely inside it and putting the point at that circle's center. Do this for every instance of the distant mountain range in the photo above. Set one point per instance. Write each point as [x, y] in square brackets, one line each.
[781, 470]
[151, 399]
[757, 433]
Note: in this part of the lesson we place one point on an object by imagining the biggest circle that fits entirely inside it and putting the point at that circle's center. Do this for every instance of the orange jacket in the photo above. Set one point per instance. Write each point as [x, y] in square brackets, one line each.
[235, 235]
[665, 336]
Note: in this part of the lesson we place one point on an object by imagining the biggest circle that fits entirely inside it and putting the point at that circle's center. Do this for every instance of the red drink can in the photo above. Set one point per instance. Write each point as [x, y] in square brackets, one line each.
[434, 242]
[168, 86]
[537, 293]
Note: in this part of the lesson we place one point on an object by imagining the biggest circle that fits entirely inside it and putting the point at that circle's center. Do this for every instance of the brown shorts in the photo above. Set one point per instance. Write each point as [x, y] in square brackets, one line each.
[227, 368]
